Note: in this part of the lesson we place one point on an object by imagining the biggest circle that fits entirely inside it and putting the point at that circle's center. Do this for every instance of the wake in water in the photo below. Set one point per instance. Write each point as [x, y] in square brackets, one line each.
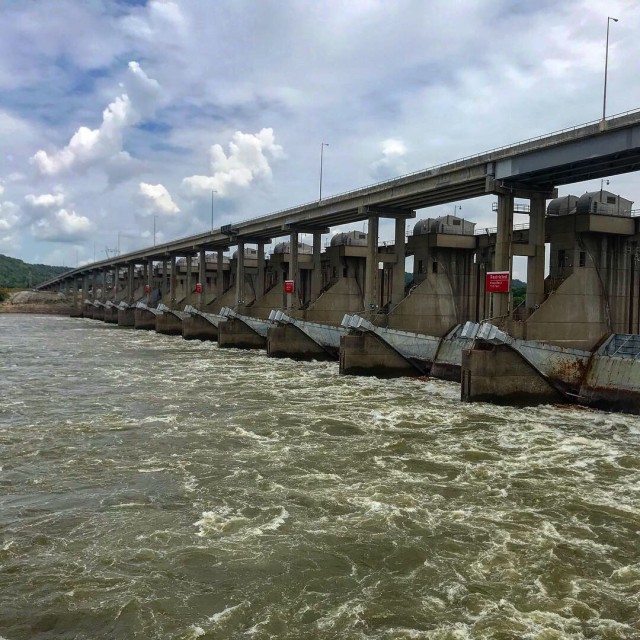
[159, 488]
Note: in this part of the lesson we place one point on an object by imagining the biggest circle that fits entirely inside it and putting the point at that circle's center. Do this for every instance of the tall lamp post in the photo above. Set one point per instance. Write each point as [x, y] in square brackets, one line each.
[212, 192]
[606, 64]
[322, 146]
[154, 229]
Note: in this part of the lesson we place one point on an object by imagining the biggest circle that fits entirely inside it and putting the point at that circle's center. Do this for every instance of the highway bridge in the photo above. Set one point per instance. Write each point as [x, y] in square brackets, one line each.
[532, 168]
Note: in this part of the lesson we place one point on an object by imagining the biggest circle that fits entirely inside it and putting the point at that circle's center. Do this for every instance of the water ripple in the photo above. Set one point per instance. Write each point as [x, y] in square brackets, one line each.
[158, 488]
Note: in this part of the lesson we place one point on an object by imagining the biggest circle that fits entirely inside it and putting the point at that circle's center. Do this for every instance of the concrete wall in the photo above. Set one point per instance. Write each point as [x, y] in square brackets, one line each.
[168, 324]
[345, 296]
[228, 299]
[235, 333]
[573, 316]
[198, 328]
[430, 308]
[498, 374]
[272, 299]
[366, 354]
[288, 341]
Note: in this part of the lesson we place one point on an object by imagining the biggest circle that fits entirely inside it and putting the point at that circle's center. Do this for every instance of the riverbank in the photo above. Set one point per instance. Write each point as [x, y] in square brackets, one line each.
[37, 302]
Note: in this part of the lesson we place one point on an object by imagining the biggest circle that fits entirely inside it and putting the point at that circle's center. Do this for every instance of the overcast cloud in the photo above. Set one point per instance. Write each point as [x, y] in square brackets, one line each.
[114, 111]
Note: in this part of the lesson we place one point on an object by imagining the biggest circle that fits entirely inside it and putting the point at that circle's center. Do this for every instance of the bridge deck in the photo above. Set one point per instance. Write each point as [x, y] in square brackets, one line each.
[570, 155]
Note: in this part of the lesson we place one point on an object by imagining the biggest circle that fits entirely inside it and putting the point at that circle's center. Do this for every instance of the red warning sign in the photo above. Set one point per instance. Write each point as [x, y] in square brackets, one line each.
[289, 286]
[497, 282]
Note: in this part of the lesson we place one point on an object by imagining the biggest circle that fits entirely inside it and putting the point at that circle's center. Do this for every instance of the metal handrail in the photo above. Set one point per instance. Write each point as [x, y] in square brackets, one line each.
[518, 207]
[450, 163]
[392, 180]
[490, 230]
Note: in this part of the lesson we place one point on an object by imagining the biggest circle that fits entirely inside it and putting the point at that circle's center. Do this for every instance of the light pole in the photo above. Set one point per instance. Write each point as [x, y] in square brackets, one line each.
[606, 64]
[154, 229]
[212, 192]
[322, 146]
[455, 208]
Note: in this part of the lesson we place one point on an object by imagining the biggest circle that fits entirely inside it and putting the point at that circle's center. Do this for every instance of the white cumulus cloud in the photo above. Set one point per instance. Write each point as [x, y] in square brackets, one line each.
[9, 220]
[62, 226]
[247, 160]
[162, 19]
[156, 199]
[52, 221]
[91, 146]
[8, 216]
[392, 162]
[45, 200]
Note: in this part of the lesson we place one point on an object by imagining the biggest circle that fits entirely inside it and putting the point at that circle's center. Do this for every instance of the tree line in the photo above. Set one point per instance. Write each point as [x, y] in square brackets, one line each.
[17, 274]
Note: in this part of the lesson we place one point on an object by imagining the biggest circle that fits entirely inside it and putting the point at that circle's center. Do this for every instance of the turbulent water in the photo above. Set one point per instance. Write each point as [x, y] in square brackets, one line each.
[157, 488]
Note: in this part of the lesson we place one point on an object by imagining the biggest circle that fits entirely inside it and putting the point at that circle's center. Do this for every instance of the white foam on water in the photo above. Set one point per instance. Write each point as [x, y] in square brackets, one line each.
[253, 435]
[128, 505]
[275, 523]
[172, 419]
[349, 612]
[218, 520]
[215, 621]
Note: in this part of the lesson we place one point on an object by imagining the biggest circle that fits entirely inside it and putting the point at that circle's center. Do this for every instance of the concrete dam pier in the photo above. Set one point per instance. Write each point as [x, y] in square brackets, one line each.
[575, 337]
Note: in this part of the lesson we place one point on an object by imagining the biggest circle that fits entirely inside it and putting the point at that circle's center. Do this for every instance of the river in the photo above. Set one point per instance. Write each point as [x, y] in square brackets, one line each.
[153, 487]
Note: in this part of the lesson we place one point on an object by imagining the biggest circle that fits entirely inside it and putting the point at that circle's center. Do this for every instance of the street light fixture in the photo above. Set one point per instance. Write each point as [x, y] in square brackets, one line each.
[606, 64]
[322, 146]
[212, 192]
[154, 229]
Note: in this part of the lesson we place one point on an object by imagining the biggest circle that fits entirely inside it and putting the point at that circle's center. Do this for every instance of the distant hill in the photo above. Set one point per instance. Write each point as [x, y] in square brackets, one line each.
[519, 290]
[17, 274]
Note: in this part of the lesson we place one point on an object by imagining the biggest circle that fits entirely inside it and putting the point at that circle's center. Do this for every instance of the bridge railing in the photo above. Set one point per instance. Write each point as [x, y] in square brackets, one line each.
[489, 230]
[442, 165]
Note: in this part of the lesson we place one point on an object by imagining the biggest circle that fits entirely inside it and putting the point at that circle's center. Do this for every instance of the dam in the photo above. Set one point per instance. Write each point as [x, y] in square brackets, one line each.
[575, 338]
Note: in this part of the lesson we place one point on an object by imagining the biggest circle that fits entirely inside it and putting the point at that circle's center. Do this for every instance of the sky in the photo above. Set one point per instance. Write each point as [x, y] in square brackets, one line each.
[120, 115]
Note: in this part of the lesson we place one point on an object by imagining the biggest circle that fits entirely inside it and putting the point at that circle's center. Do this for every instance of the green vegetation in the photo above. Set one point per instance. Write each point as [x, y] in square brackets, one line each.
[17, 274]
[519, 291]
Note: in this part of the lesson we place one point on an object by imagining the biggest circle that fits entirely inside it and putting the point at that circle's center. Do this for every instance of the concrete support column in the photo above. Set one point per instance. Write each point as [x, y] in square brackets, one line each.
[94, 280]
[503, 258]
[105, 272]
[150, 278]
[397, 287]
[75, 292]
[294, 272]
[85, 287]
[316, 274]
[220, 273]
[173, 282]
[261, 265]
[371, 277]
[114, 288]
[535, 264]
[240, 274]
[130, 285]
[189, 280]
[202, 277]
[164, 283]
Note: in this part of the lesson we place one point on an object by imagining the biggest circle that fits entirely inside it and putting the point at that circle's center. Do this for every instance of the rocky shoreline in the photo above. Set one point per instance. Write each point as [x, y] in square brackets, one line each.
[41, 302]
